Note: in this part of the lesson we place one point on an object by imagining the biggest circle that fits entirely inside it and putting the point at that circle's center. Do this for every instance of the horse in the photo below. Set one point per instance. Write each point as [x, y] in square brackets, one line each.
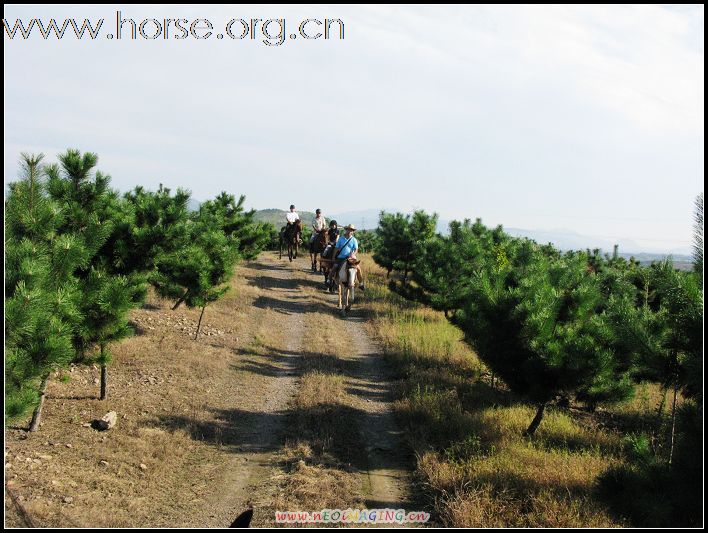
[291, 235]
[346, 280]
[326, 265]
[317, 247]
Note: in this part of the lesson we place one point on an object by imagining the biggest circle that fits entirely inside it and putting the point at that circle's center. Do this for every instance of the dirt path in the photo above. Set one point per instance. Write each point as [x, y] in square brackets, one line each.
[245, 472]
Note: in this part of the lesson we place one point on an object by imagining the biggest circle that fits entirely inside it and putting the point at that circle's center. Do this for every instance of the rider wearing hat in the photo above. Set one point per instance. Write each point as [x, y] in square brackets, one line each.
[346, 247]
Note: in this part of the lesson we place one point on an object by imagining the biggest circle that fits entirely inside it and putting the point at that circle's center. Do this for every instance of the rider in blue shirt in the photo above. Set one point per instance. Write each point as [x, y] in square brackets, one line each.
[347, 243]
[346, 246]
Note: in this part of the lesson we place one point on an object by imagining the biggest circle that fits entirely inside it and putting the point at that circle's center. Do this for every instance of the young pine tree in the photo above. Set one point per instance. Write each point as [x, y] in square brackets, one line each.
[538, 322]
[667, 334]
[197, 273]
[401, 238]
[109, 299]
[42, 292]
[393, 236]
[111, 283]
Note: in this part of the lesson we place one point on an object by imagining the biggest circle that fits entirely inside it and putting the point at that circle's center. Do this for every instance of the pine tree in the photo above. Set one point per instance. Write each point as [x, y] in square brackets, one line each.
[109, 299]
[539, 322]
[41, 291]
[401, 238]
[196, 274]
[111, 284]
[664, 325]
[667, 333]
[368, 241]
[392, 233]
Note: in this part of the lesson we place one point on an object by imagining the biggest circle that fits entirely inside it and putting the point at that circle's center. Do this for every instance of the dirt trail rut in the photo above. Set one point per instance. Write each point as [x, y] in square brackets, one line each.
[245, 472]
[388, 476]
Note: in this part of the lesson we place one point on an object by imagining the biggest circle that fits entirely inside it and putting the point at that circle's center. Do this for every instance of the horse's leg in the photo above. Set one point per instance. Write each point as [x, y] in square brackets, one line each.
[329, 282]
[350, 290]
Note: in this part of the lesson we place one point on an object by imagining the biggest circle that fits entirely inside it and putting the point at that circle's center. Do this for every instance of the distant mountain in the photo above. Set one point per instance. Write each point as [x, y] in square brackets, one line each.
[193, 205]
[570, 240]
[680, 261]
[364, 219]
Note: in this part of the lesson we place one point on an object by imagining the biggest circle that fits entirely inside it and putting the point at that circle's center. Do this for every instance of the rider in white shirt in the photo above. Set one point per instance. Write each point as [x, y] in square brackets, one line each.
[291, 217]
[318, 224]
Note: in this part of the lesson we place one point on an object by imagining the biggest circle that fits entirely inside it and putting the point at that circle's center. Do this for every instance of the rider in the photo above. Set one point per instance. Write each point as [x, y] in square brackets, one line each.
[345, 247]
[333, 234]
[333, 231]
[291, 217]
[318, 224]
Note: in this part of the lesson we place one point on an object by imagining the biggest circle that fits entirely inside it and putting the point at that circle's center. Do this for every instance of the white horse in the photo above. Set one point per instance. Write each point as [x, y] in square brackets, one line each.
[346, 281]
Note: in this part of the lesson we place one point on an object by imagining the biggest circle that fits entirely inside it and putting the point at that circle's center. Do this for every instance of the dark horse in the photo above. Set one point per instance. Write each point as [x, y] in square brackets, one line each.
[290, 235]
[326, 265]
[317, 247]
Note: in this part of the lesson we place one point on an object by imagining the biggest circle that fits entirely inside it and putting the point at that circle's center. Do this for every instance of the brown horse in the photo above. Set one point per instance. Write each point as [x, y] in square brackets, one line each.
[290, 235]
[317, 247]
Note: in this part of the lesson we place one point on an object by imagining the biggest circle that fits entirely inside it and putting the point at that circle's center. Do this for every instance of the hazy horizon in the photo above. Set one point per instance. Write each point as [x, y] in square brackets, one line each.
[581, 118]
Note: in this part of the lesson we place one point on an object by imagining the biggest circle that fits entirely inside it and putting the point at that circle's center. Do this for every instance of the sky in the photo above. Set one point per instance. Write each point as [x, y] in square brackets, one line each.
[586, 119]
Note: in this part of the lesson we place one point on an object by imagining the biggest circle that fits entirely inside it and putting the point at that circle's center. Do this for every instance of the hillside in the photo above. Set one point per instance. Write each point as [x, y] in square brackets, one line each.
[277, 217]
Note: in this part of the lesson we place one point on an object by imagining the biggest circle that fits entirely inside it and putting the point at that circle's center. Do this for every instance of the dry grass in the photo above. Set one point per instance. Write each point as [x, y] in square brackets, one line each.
[477, 469]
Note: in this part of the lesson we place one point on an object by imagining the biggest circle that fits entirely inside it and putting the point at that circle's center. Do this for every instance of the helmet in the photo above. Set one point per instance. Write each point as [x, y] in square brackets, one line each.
[292, 207]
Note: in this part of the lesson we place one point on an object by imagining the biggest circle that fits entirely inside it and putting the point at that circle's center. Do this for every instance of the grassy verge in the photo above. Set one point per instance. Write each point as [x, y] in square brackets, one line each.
[476, 468]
